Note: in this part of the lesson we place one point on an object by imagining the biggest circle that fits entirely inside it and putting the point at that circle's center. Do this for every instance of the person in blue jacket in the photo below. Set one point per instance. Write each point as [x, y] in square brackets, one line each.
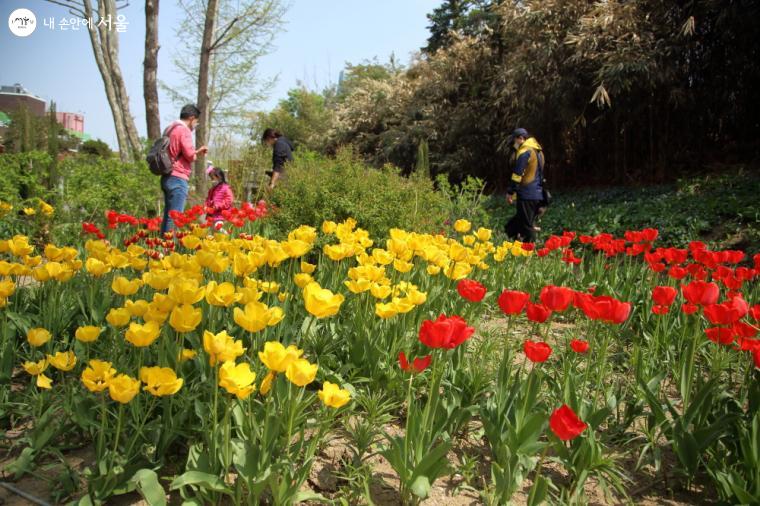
[282, 152]
[526, 186]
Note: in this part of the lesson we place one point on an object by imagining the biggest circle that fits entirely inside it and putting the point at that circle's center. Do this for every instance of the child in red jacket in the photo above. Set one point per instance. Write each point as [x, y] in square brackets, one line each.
[219, 197]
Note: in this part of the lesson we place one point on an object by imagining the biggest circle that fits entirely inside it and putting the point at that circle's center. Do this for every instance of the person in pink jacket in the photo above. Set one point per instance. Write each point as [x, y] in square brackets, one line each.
[219, 197]
[183, 153]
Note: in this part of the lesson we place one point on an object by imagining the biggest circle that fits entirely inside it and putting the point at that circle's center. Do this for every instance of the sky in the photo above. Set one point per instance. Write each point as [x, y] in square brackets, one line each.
[317, 39]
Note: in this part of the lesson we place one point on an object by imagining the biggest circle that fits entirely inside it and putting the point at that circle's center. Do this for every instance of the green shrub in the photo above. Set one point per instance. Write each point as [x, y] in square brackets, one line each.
[95, 147]
[89, 186]
[319, 188]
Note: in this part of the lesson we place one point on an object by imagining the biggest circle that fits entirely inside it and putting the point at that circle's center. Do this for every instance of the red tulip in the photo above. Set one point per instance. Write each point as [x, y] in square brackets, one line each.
[565, 424]
[418, 364]
[664, 295]
[728, 312]
[741, 329]
[754, 312]
[537, 312]
[579, 346]
[605, 308]
[513, 302]
[556, 298]
[445, 332]
[660, 310]
[537, 351]
[471, 290]
[701, 293]
[722, 335]
[689, 308]
[676, 272]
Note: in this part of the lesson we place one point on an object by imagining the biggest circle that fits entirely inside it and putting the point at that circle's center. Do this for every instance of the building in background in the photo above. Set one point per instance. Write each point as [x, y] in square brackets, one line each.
[13, 97]
[16, 96]
[71, 121]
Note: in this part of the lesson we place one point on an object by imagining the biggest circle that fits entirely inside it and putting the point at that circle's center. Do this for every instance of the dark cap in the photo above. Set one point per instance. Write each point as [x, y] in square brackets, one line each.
[519, 132]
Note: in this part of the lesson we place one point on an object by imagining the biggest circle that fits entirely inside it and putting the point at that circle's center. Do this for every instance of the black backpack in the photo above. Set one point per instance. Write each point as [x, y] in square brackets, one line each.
[159, 160]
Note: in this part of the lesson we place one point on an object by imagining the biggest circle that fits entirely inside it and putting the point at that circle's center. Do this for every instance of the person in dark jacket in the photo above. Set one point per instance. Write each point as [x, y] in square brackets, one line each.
[525, 187]
[282, 152]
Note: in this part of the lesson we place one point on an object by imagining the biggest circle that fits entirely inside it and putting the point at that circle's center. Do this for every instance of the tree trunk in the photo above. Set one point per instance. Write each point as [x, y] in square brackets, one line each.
[110, 38]
[201, 132]
[105, 73]
[150, 70]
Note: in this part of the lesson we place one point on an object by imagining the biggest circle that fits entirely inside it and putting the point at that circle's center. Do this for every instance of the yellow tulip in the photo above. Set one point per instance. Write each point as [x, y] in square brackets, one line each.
[416, 297]
[187, 354]
[307, 268]
[249, 294]
[221, 347]
[384, 310]
[44, 382]
[333, 396]
[118, 317]
[185, 291]
[97, 375]
[483, 234]
[277, 357]
[155, 314]
[304, 233]
[190, 242]
[379, 291]
[158, 279]
[433, 270]
[358, 286]
[266, 383]
[402, 305]
[162, 302]
[46, 208]
[96, 267]
[142, 335]
[302, 279]
[160, 381]
[35, 368]
[124, 286]
[402, 266]
[38, 336]
[295, 248]
[321, 302]
[237, 379]
[19, 246]
[136, 308]
[462, 226]
[268, 286]
[469, 240]
[221, 294]
[256, 316]
[117, 260]
[123, 388]
[63, 360]
[329, 227]
[53, 253]
[29, 211]
[8, 287]
[300, 372]
[185, 318]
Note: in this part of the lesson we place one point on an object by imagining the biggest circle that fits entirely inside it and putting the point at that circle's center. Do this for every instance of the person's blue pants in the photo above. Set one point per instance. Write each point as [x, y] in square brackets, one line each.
[175, 195]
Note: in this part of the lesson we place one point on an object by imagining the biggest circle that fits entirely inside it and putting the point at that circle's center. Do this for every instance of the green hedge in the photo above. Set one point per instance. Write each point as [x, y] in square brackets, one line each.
[319, 188]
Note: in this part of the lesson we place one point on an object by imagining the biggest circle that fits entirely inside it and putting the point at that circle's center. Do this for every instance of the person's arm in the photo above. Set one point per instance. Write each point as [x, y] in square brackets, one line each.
[226, 198]
[517, 175]
[187, 148]
[275, 177]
